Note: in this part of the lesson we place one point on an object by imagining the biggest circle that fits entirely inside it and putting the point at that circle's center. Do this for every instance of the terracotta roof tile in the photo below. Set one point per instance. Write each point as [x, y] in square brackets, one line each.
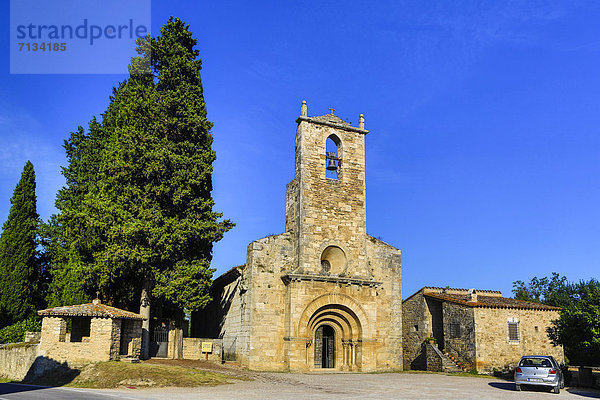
[491, 302]
[89, 310]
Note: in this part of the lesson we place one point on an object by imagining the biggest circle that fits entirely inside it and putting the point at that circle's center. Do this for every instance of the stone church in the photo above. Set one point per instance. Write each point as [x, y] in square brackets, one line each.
[323, 294]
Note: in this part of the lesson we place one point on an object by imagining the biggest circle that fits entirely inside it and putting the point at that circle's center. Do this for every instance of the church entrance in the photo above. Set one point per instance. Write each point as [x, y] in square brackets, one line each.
[325, 347]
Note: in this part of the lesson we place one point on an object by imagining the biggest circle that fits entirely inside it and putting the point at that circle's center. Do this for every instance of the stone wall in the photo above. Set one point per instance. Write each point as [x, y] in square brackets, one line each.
[329, 212]
[131, 337]
[16, 361]
[324, 270]
[267, 300]
[192, 349]
[32, 337]
[494, 350]
[103, 344]
[433, 358]
[417, 324]
[224, 318]
[463, 345]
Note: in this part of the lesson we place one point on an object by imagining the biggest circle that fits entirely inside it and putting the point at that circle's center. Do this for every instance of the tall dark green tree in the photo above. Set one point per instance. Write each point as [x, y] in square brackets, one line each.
[137, 211]
[19, 275]
[69, 239]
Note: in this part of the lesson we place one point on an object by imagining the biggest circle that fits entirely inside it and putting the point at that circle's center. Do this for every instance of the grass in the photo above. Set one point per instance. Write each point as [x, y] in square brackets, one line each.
[114, 374]
[16, 345]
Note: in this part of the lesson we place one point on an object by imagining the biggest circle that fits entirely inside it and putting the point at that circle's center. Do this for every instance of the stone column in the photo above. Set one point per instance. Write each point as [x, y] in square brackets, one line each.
[145, 312]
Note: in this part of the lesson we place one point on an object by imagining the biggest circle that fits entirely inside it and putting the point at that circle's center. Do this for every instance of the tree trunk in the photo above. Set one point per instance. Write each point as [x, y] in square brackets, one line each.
[145, 312]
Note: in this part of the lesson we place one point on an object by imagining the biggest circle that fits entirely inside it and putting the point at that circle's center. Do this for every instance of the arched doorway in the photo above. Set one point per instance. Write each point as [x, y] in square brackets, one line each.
[325, 347]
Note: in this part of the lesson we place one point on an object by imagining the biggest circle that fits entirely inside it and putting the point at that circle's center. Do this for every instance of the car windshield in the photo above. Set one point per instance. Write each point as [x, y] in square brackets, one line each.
[535, 362]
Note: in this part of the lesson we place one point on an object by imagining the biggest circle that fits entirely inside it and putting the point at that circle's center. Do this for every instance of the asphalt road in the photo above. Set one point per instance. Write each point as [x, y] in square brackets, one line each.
[18, 391]
[316, 386]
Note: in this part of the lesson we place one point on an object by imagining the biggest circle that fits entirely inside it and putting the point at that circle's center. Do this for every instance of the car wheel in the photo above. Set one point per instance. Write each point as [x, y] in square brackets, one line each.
[557, 389]
[517, 388]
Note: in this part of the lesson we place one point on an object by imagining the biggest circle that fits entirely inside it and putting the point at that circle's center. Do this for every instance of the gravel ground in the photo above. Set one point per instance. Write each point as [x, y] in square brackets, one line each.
[359, 386]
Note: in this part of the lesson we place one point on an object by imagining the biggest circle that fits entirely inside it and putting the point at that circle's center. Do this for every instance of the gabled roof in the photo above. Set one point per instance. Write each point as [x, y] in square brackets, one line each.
[333, 121]
[331, 118]
[490, 302]
[95, 309]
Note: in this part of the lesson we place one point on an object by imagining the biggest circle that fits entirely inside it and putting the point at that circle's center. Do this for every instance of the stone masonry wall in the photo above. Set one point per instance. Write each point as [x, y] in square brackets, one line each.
[232, 329]
[15, 362]
[103, 344]
[416, 326]
[131, 337]
[462, 346]
[192, 349]
[330, 211]
[384, 263]
[267, 259]
[494, 350]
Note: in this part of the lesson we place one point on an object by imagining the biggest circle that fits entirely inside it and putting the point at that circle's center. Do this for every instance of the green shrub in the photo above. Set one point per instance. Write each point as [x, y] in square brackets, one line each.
[15, 333]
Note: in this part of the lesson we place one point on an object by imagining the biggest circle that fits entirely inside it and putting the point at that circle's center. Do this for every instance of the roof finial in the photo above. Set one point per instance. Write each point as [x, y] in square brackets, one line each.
[303, 109]
[332, 110]
[361, 122]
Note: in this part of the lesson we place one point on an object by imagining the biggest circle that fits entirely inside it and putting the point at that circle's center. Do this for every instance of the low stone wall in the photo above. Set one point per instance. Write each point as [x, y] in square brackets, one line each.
[16, 360]
[192, 349]
[31, 337]
[433, 357]
[586, 376]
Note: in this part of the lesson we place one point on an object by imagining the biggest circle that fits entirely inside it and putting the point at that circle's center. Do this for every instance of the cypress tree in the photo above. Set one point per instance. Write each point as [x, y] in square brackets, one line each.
[137, 212]
[19, 273]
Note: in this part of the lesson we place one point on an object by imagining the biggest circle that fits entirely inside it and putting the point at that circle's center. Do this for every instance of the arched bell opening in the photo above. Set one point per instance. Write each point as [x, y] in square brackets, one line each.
[333, 158]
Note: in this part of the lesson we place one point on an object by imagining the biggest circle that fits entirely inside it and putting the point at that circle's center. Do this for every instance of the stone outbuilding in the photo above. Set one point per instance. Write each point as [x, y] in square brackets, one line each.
[323, 294]
[477, 328]
[89, 332]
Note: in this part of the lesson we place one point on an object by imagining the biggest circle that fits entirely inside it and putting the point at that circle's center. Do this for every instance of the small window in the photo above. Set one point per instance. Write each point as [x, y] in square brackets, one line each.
[416, 328]
[455, 330]
[537, 329]
[80, 329]
[513, 331]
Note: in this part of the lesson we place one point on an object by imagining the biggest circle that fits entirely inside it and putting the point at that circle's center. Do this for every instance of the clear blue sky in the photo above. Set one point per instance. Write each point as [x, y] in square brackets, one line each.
[483, 157]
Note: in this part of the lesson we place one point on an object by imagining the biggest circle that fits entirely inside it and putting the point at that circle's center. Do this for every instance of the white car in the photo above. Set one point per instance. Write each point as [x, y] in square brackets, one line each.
[539, 370]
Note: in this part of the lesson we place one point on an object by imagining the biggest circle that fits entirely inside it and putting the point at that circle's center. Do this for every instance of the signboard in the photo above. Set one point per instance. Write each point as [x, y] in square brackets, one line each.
[207, 347]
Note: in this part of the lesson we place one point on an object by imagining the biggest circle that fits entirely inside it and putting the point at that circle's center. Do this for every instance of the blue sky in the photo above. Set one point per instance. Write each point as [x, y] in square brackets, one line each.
[484, 118]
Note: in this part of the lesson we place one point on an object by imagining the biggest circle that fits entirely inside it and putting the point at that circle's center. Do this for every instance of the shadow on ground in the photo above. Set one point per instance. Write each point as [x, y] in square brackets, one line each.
[503, 385]
[8, 388]
[510, 386]
[585, 392]
[48, 372]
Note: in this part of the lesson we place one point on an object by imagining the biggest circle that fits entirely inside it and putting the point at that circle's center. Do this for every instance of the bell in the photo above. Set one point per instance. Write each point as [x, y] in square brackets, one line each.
[331, 165]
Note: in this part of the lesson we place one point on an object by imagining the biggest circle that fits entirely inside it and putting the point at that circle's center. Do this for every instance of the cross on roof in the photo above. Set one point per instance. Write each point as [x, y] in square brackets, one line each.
[332, 110]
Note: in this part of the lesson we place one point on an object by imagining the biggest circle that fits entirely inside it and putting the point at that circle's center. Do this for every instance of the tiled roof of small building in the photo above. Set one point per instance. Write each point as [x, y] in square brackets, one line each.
[491, 301]
[95, 309]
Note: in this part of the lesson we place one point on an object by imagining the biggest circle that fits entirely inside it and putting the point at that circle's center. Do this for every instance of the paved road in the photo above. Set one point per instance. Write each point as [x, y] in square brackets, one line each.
[316, 386]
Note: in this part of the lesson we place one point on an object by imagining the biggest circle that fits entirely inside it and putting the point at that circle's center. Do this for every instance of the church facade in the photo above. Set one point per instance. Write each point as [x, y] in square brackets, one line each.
[323, 294]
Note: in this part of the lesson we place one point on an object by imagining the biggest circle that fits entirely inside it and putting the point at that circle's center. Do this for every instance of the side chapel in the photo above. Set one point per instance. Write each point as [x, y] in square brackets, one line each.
[323, 294]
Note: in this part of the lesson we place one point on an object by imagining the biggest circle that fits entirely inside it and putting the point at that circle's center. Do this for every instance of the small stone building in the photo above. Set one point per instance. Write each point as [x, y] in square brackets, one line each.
[96, 332]
[479, 328]
[323, 294]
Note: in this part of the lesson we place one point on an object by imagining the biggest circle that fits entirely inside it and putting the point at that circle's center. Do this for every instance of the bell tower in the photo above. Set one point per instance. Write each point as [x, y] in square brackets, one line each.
[325, 206]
